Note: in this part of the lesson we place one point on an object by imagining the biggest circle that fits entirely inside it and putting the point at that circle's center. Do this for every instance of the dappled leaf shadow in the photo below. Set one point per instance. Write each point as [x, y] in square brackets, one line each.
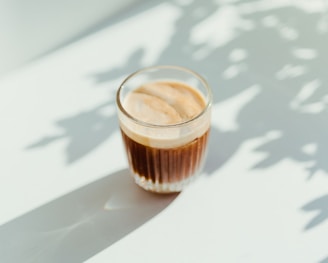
[318, 206]
[130, 66]
[84, 131]
[279, 48]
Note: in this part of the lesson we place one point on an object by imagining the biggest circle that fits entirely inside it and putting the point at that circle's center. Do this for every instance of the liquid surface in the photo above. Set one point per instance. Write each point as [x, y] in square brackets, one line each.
[164, 103]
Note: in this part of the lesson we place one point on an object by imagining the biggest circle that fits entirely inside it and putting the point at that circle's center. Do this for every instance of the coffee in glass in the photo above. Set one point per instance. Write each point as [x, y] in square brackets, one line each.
[164, 115]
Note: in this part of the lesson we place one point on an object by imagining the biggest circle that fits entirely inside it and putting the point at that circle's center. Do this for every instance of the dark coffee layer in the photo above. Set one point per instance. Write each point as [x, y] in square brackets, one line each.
[166, 165]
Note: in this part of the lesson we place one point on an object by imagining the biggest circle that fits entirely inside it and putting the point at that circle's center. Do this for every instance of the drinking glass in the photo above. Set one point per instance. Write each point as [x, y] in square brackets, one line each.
[165, 158]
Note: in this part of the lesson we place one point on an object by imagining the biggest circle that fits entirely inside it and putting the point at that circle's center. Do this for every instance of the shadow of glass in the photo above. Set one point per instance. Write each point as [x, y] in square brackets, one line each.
[80, 224]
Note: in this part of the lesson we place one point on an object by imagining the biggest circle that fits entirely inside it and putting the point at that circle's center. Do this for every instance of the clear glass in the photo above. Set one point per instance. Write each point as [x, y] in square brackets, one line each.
[165, 158]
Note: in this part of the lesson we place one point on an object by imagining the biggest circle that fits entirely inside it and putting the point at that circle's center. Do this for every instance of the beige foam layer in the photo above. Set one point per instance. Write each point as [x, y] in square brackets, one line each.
[165, 103]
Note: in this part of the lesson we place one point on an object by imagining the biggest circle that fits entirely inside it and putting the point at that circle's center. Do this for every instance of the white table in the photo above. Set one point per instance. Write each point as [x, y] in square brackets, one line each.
[65, 192]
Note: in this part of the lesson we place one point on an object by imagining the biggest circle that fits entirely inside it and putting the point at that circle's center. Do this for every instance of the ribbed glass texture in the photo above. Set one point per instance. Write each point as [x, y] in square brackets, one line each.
[165, 169]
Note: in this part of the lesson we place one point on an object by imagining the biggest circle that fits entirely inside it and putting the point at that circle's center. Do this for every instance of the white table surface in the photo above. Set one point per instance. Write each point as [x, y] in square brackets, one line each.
[65, 192]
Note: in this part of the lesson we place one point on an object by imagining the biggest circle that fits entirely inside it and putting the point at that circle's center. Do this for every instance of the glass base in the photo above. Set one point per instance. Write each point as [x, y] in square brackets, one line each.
[165, 188]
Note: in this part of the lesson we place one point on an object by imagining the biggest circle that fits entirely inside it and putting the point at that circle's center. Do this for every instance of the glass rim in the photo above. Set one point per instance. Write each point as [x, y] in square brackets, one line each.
[174, 125]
